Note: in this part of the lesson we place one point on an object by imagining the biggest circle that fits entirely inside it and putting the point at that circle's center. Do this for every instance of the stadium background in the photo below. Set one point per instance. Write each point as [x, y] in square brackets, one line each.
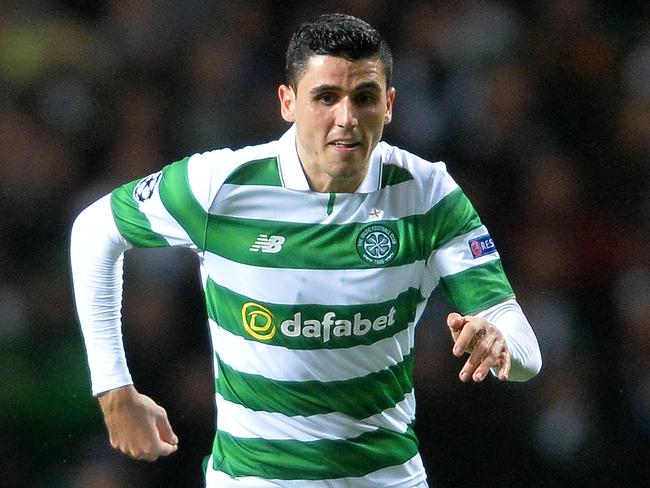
[541, 110]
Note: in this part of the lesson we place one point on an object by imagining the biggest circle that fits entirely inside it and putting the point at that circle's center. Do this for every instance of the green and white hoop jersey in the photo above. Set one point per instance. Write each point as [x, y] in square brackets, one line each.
[312, 301]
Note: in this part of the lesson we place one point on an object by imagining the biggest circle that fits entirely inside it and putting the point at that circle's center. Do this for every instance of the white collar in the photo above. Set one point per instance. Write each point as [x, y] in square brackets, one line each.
[293, 175]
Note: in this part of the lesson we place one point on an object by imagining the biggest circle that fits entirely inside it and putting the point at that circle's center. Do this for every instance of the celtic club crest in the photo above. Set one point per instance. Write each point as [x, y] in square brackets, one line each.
[377, 244]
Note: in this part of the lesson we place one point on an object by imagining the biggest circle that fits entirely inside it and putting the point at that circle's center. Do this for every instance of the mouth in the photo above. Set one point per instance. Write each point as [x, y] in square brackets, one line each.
[345, 145]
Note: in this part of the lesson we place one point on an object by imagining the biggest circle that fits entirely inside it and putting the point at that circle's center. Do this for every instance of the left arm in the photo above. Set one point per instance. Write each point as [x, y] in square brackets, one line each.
[492, 327]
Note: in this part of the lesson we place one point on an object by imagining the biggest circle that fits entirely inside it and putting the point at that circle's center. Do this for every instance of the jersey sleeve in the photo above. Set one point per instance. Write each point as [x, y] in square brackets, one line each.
[464, 254]
[96, 256]
[471, 276]
[166, 208]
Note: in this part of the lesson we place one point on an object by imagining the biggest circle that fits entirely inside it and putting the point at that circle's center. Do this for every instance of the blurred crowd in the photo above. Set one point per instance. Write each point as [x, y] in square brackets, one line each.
[541, 111]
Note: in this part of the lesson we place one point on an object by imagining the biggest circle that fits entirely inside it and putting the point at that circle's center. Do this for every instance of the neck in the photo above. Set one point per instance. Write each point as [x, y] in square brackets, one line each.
[327, 184]
[322, 181]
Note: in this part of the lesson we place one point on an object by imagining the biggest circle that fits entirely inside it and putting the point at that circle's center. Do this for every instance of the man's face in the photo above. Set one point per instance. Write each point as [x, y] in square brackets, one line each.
[340, 108]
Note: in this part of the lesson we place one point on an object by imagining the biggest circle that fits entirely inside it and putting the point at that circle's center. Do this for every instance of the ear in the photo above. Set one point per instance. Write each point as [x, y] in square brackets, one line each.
[390, 98]
[287, 102]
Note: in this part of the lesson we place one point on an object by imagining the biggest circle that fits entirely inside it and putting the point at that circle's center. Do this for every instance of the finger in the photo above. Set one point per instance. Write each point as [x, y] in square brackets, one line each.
[151, 450]
[165, 431]
[154, 451]
[167, 449]
[468, 337]
[505, 362]
[489, 361]
[481, 350]
[112, 439]
[145, 455]
[454, 321]
[142, 451]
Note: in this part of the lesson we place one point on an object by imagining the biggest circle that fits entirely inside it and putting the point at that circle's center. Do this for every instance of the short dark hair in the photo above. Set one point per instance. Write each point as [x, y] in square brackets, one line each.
[338, 35]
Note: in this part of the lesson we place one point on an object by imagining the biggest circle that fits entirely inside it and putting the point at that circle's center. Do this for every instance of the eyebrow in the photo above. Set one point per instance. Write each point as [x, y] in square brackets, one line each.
[367, 85]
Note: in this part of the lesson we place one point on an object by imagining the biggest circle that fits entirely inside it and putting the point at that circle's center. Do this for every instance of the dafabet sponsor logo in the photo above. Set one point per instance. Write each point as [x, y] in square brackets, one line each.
[258, 322]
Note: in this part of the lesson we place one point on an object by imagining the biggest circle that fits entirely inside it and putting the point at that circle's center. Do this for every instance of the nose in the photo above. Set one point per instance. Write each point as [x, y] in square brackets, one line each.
[345, 116]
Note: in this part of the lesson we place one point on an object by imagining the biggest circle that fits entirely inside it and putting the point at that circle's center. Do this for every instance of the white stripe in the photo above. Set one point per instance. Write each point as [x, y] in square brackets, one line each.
[455, 256]
[271, 203]
[310, 365]
[277, 204]
[313, 286]
[204, 170]
[396, 418]
[207, 171]
[407, 475]
[240, 421]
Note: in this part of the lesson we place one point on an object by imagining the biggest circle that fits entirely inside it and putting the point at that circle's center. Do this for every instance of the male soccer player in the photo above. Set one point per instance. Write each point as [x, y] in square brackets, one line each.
[318, 252]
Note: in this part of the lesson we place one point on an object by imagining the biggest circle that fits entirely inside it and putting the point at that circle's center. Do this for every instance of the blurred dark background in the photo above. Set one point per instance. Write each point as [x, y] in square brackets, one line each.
[541, 111]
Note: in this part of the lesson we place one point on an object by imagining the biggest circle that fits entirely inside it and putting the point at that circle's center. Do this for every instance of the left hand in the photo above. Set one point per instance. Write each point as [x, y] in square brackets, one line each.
[484, 342]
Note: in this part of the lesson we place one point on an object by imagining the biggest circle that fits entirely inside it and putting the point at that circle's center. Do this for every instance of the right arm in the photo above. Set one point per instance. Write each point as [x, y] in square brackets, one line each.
[96, 256]
[136, 425]
[167, 208]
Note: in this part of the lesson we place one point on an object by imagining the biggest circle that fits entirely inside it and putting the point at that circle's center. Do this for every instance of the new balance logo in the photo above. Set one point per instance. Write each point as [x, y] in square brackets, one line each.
[265, 243]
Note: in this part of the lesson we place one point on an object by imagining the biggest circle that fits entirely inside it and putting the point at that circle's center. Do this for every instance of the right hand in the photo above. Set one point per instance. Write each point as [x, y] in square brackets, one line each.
[137, 426]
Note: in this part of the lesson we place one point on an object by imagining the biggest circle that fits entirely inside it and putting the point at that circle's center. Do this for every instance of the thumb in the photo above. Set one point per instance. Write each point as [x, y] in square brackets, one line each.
[165, 431]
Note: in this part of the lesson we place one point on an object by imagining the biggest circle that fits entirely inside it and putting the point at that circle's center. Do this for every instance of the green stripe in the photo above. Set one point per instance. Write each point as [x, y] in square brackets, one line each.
[230, 309]
[312, 246]
[477, 288]
[393, 175]
[261, 172]
[315, 460]
[330, 203]
[177, 196]
[336, 245]
[381, 390]
[133, 224]
[451, 217]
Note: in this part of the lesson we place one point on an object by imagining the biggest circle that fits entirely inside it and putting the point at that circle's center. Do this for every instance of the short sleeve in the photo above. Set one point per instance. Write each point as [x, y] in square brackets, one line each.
[465, 256]
[163, 208]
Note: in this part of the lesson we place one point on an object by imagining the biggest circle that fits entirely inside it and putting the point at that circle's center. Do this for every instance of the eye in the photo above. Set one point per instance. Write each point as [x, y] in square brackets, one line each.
[326, 98]
[366, 98]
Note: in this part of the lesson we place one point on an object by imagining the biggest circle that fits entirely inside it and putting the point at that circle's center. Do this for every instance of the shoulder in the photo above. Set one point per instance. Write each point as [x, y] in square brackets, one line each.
[208, 172]
[400, 165]
[221, 163]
